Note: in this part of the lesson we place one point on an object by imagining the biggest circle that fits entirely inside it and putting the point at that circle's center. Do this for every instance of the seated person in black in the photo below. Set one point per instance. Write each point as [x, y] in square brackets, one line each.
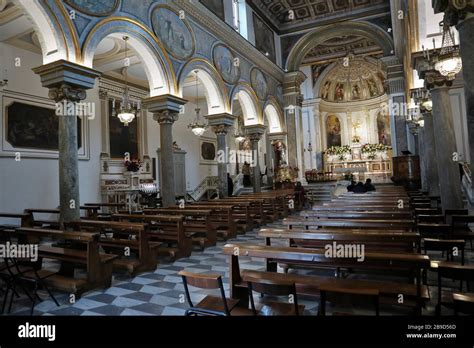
[350, 188]
[369, 186]
[359, 188]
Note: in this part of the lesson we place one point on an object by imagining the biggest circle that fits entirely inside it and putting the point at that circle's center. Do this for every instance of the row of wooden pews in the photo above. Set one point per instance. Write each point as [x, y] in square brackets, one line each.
[386, 223]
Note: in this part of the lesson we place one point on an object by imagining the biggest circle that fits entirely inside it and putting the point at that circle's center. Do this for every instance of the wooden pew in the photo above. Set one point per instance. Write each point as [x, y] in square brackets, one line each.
[408, 225]
[196, 221]
[168, 229]
[24, 219]
[222, 218]
[374, 215]
[414, 294]
[373, 240]
[242, 211]
[91, 212]
[133, 236]
[340, 207]
[107, 209]
[97, 265]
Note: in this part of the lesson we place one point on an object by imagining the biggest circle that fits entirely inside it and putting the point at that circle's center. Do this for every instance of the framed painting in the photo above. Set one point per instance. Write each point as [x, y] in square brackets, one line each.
[31, 128]
[122, 138]
[208, 150]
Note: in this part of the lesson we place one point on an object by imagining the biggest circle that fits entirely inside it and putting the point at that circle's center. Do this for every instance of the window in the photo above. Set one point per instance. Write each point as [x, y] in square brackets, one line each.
[239, 17]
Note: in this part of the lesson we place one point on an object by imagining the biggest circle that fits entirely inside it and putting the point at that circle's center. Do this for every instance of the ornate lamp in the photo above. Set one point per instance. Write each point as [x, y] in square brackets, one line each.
[127, 112]
[239, 134]
[196, 127]
[449, 62]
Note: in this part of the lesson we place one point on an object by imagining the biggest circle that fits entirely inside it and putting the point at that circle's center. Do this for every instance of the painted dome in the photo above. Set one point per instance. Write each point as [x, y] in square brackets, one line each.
[353, 79]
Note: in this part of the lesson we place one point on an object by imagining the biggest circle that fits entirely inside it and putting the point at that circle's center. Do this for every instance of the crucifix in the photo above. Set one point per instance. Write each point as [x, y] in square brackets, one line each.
[356, 125]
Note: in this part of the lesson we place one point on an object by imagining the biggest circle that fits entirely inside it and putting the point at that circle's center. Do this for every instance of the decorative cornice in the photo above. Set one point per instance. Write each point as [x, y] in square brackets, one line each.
[230, 37]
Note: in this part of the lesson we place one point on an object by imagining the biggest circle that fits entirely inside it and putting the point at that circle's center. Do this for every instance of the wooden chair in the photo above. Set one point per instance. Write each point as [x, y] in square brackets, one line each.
[455, 272]
[274, 288]
[430, 219]
[335, 293]
[210, 305]
[463, 303]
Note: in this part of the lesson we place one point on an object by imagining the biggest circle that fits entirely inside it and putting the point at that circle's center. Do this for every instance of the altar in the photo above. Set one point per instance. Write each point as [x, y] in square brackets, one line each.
[368, 161]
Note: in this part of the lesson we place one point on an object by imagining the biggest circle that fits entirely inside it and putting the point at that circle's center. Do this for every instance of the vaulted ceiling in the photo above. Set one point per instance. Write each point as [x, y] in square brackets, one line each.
[310, 13]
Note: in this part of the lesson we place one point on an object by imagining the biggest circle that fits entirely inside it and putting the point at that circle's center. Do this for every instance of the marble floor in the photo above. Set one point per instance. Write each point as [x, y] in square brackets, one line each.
[161, 292]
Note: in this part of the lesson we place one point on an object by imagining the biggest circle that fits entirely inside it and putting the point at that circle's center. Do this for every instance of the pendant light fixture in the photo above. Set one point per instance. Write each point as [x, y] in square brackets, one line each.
[127, 112]
[197, 128]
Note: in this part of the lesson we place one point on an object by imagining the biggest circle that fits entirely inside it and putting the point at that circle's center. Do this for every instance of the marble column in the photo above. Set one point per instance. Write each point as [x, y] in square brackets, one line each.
[293, 109]
[255, 133]
[443, 126]
[67, 83]
[221, 125]
[165, 110]
[425, 184]
[429, 152]
[461, 15]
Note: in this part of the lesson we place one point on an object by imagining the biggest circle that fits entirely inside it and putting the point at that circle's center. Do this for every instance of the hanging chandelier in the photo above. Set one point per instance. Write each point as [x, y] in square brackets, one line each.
[196, 127]
[127, 111]
[449, 61]
[239, 135]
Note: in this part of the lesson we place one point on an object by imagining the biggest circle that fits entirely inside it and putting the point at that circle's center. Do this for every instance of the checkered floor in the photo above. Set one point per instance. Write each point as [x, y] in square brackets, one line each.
[161, 292]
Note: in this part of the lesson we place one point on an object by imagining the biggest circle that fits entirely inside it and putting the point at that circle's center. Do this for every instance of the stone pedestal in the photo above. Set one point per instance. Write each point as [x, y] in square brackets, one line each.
[165, 109]
[67, 83]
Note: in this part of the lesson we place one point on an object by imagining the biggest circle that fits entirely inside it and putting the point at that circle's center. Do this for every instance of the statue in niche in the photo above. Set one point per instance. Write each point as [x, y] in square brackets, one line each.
[373, 90]
[355, 92]
[339, 94]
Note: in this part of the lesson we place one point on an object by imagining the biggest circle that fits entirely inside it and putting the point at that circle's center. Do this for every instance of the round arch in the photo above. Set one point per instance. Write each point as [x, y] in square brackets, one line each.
[156, 62]
[320, 35]
[274, 116]
[249, 103]
[51, 37]
[216, 92]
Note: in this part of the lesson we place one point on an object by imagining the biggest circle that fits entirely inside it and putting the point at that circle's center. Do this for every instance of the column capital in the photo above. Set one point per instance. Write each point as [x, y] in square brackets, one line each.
[277, 136]
[63, 73]
[165, 108]
[426, 71]
[223, 119]
[455, 11]
[221, 129]
[292, 82]
[255, 131]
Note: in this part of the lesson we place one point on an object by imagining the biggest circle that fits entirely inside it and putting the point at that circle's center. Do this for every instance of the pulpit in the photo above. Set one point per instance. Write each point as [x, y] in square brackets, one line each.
[406, 171]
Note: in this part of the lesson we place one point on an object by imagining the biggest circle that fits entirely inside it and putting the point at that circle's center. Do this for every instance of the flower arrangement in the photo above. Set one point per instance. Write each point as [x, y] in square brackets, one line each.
[340, 151]
[286, 174]
[133, 165]
[372, 149]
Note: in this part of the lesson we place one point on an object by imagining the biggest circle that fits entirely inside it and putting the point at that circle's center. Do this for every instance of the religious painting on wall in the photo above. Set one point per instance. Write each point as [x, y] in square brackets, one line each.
[224, 62]
[383, 129]
[333, 131]
[173, 32]
[35, 127]
[355, 91]
[259, 83]
[208, 147]
[215, 6]
[122, 138]
[264, 38]
[373, 90]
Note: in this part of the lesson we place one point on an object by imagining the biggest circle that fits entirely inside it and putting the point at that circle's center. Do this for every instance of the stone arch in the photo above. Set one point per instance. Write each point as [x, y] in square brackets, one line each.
[320, 35]
[249, 102]
[216, 92]
[272, 112]
[50, 35]
[156, 62]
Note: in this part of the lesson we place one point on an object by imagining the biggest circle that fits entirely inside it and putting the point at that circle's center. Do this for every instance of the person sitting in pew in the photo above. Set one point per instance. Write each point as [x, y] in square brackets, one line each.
[369, 186]
[359, 188]
[230, 185]
[350, 188]
[300, 195]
